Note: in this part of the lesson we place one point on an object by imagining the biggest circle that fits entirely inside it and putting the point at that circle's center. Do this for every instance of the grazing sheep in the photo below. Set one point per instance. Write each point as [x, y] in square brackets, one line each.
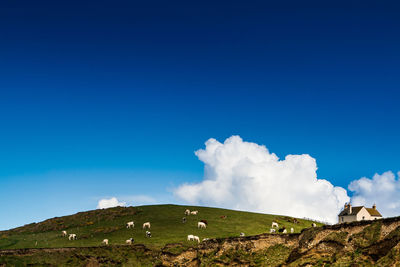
[72, 237]
[146, 225]
[275, 224]
[194, 212]
[223, 217]
[241, 234]
[187, 212]
[204, 221]
[272, 230]
[104, 242]
[292, 230]
[184, 220]
[148, 234]
[64, 233]
[130, 224]
[193, 238]
[129, 241]
[201, 225]
[313, 225]
[284, 231]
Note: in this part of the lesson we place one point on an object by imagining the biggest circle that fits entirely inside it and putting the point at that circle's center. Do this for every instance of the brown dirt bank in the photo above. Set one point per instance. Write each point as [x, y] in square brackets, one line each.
[367, 243]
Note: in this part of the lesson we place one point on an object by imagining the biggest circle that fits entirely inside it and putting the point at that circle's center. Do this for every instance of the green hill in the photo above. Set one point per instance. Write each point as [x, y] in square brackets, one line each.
[363, 243]
[92, 227]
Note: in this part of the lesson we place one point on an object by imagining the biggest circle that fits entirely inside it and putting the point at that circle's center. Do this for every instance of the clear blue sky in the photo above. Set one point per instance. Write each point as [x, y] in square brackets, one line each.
[102, 99]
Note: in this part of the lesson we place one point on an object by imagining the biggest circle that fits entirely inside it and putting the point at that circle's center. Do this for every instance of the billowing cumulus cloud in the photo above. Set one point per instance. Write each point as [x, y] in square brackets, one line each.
[383, 190]
[246, 176]
[109, 203]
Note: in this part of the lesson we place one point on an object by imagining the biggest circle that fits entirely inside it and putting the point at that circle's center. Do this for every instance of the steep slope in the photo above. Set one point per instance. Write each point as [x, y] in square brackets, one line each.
[374, 243]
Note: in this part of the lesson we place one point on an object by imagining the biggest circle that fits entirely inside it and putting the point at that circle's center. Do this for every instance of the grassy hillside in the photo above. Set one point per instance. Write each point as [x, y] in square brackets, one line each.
[364, 243]
[166, 227]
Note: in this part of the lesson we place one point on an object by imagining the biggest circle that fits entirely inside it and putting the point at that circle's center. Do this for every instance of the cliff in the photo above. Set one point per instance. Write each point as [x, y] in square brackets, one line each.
[368, 243]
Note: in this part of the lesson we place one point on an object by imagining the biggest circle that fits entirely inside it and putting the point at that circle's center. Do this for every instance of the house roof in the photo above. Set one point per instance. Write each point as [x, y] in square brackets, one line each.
[373, 212]
[355, 210]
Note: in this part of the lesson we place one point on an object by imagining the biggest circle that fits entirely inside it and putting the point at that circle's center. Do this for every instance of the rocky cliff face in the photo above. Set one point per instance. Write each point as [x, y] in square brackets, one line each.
[374, 243]
[365, 243]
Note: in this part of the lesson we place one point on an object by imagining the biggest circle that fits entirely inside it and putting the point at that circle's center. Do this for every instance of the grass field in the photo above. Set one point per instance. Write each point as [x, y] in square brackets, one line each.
[166, 227]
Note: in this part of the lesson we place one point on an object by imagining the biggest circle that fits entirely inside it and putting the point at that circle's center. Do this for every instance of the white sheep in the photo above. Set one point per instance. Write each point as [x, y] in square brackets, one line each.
[187, 212]
[284, 231]
[64, 233]
[194, 212]
[201, 225]
[148, 234]
[196, 238]
[130, 224]
[72, 237]
[104, 242]
[129, 241]
[274, 224]
[193, 238]
[146, 225]
[292, 230]
[313, 225]
[272, 230]
[241, 234]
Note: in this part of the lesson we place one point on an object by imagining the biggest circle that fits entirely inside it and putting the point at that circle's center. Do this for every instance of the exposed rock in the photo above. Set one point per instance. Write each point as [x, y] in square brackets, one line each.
[368, 243]
[360, 243]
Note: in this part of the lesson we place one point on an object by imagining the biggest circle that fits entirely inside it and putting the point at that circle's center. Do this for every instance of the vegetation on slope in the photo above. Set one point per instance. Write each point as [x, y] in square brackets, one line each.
[356, 244]
[368, 235]
[337, 237]
[96, 256]
[166, 227]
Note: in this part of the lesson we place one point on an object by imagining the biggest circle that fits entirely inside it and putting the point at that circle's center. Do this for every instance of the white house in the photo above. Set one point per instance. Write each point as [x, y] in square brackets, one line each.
[360, 213]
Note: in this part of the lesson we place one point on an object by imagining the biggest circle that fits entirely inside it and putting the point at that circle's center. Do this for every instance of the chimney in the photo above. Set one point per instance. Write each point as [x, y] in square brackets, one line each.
[349, 208]
[374, 206]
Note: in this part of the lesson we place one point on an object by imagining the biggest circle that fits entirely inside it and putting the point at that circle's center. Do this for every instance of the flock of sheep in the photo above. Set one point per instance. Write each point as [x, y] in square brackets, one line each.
[129, 241]
[201, 224]
[283, 229]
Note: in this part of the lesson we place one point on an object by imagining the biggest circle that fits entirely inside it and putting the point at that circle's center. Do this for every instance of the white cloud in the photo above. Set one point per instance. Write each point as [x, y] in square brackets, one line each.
[109, 203]
[383, 190]
[246, 176]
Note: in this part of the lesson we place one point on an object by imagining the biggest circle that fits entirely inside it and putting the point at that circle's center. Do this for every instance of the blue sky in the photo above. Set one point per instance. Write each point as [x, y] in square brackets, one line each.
[112, 99]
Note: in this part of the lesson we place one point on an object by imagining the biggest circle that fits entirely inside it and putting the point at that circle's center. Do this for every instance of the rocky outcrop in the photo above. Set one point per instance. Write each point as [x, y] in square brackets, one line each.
[368, 243]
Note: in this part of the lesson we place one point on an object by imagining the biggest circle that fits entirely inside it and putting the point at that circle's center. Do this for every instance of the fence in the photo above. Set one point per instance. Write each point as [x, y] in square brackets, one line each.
[317, 221]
